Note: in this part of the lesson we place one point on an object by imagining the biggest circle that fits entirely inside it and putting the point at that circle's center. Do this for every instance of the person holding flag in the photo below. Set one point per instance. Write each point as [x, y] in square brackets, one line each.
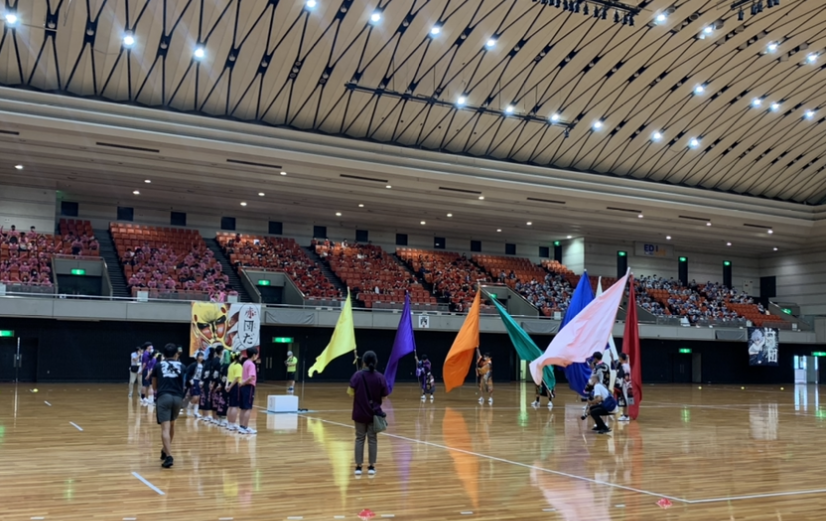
[425, 375]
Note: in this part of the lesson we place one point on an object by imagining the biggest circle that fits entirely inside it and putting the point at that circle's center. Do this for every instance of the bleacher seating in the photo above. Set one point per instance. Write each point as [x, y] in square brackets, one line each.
[168, 260]
[282, 255]
[509, 270]
[452, 275]
[373, 275]
[78, 238]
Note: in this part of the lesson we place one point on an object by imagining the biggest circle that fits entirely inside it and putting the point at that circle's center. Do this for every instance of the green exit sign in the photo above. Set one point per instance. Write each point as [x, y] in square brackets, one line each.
[819, 353]
[726, 263]
[6, 333]
[787, 311]
[492, 295]
[683, 259]
[78, 271]
[282, 340]
[622, 253]
[685, 350]
[556, 243]
[263, 283]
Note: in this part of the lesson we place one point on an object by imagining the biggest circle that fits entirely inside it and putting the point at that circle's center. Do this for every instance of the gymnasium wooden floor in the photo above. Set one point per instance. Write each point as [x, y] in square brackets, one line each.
[717, 453]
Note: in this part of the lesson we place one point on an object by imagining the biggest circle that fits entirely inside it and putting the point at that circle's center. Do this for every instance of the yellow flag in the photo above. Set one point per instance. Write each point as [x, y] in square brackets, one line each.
[342, 342]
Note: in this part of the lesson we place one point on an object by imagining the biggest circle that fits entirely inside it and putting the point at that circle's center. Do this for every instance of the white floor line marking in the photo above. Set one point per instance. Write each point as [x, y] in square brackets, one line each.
[388, 515]
[515, 463]
[339, 517]
[466, 513]
[150, 485]
[296, 518]
[47, 403]
[37, 518]
[224, 519]
[549, 510]
[130, 519]
[77, 426]
[757, 496]
[620, 506]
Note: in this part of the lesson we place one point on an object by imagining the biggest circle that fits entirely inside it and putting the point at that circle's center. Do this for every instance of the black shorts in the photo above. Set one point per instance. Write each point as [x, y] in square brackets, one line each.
[247, 397]
[146, 381]
[195, 390]
[167, 407]
[135, 368]
[290, 376]
[235, 397]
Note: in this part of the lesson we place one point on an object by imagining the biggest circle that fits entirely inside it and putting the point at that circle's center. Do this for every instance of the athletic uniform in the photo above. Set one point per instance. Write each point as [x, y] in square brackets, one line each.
[484, 370]
[219, 392]
[234, 376]
[134, 370]
[193, 378]
[170, 375]
[146, 375]
[425, 375]
[206, 380]
[248, 391]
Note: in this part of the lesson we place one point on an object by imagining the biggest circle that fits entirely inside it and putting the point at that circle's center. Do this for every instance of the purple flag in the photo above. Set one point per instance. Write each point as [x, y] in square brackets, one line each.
[402, 346]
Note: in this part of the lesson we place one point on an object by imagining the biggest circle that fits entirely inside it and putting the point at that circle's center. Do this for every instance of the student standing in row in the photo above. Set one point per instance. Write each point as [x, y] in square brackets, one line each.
[193, 381]
[234, 375]
[249, 379]
[168, 384]
[145, 377]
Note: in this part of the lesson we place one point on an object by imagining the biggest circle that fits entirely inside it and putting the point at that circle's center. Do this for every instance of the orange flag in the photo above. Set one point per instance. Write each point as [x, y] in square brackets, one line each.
[460, 355]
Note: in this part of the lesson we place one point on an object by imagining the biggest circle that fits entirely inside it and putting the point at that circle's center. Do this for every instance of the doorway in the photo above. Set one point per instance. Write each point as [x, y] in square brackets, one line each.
[18, 359]
[272, 361]
[681, 365]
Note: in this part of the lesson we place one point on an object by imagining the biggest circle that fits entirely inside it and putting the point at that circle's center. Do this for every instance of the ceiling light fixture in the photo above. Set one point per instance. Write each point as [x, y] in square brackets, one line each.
[436, 29]
[388, 186]
[728, 244]
[775, 249]
[136, 192]
[450, 215]
[243, 203]
[19, 167]
[128, 40]
[775, 107]
[361, 205]
[338, 214]
[283, 173]
[260, 194]
[694, 142]
[200, 52]
[375, 17]
[772, 47]
[661, 18]
[639, 216]
[708, 29]
[811, 58]
[491, 43]
[499, 230]
[597, 125]
[668, 237]
[422, 223]
[529, 223]
[481, 197]
[11, 18]
[708, 223]
[509, 109]
[699, 89]
[147, 181]
[770, 231]
[809, 114]
[570, 236]
[311, 4]
[461, 100]
[756, 102]
[656, 136]
[554, 117]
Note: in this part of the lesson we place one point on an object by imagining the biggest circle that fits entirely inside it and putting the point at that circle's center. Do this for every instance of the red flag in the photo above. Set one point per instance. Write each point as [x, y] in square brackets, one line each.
[631, 346]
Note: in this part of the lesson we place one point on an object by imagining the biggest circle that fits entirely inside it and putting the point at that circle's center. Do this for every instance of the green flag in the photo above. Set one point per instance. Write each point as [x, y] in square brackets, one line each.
[525, 347]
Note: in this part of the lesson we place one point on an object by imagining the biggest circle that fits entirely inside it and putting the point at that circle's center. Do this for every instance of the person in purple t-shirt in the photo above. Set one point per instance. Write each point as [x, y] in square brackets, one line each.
[146, 376]
[367, 387]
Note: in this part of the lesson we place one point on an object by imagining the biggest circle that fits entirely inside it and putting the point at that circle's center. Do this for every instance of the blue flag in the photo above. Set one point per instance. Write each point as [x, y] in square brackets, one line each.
[578, 373]
[402, 346]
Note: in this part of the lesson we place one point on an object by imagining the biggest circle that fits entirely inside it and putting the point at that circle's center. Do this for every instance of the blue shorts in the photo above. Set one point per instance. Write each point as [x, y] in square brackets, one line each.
[146, 381]
[235, 396]
[195, 390]
[247, 397]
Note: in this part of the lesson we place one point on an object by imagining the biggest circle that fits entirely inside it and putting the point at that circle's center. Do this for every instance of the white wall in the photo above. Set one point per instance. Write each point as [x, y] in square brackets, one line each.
[382, 234]
[801, 278]
[27, 207]
[601, 259]
[573, 254]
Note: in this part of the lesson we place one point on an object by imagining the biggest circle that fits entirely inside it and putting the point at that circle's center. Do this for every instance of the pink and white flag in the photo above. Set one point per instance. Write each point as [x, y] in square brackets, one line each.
[586, 333]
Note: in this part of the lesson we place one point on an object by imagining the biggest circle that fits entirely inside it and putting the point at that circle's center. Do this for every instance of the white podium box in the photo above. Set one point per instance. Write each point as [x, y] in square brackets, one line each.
[282, 422]
[282, 403]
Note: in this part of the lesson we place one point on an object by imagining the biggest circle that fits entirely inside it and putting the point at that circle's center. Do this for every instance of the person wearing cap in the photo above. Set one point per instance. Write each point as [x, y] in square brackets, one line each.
[291, 362]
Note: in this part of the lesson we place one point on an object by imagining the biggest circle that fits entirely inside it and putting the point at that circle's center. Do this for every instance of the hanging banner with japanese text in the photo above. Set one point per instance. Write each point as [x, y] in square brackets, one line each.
[763, 345]
[235, 326]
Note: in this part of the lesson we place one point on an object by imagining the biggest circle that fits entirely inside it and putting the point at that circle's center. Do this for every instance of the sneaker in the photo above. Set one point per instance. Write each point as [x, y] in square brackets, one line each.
[481, 401]
[604, 431]
[242, 430]
[251, 431]
[431, 398]
[198, 415]
[371, 470]
[624, 418]
[535, 404]
[163, 455]
[490, 401]
[168, 462]
[130, 395]
[232, 427]
[424, 398]
[550, 405]
[595, 428]
[358, 470]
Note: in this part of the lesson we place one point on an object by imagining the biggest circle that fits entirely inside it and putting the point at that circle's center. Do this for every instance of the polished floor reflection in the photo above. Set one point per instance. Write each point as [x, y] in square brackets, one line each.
[85, 451]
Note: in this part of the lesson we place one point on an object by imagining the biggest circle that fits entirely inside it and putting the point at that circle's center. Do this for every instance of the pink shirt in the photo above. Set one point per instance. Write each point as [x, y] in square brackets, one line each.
[249, 372]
